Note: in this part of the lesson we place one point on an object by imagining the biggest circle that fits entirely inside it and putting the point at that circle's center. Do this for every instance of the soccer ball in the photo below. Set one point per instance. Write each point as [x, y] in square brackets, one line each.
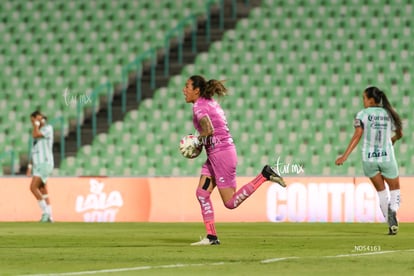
[190, 147]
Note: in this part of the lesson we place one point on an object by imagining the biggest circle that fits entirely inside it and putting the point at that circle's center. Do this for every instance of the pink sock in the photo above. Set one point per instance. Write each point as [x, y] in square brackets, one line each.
[207, 211]
[245, 191]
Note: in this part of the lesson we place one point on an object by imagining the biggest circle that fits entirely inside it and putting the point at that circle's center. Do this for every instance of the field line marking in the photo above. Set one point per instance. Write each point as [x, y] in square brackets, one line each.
[273, 260]
[278, 259]
[114, 270]
[362, 254]
[335, 256]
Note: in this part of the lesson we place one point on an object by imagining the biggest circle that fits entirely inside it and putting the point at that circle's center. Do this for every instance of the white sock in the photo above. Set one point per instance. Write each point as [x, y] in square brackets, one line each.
[43, 205]
[48, 207]
[395, 200]
[383, 202]
[49, 210]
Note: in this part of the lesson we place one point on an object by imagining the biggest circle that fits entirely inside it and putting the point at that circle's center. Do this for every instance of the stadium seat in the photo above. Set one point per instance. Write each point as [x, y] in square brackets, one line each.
[69, 48]
[295, 75]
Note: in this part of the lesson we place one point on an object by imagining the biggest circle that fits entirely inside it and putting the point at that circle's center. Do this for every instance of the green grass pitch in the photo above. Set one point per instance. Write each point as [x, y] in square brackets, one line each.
[246, 249]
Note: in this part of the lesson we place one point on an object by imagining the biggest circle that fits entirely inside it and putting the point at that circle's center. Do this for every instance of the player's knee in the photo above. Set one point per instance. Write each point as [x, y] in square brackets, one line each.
[229, 204]
[33, 186]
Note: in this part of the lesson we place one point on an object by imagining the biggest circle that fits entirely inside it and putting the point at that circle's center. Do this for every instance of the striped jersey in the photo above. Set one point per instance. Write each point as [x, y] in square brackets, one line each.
[378, 126]
[42, 149]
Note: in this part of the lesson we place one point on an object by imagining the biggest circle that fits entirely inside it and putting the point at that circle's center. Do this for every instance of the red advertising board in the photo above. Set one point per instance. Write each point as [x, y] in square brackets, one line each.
[101, 199]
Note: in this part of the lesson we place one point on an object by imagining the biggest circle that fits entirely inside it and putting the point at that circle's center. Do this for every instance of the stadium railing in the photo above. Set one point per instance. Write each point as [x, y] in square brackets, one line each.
[178, 32]
[95, 97]
[136, 66]
[151, 54]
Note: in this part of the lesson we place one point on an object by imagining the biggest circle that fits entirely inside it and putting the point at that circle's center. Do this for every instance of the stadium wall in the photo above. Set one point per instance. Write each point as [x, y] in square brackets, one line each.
[102, 199]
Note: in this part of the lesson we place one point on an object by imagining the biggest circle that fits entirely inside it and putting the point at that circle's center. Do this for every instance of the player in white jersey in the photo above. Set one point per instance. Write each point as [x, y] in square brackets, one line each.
[42, 162]
[380, 126]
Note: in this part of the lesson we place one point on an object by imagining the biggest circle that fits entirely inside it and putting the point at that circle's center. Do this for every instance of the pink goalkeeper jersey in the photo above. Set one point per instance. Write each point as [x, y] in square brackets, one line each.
[221, 138]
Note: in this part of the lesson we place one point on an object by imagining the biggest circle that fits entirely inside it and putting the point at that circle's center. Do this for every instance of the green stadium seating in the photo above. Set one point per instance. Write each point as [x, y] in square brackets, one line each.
[295, 72]
[49, 46]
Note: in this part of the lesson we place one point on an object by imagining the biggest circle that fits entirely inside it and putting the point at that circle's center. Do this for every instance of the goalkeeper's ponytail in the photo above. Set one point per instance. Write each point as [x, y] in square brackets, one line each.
[381, 99]
[208, 88]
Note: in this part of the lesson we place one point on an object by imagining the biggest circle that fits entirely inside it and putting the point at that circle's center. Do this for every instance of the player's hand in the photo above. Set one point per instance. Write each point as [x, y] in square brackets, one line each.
[35, 122]
[340, 160]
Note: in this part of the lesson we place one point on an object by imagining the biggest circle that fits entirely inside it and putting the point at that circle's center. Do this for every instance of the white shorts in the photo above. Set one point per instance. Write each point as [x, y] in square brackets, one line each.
[43, 170]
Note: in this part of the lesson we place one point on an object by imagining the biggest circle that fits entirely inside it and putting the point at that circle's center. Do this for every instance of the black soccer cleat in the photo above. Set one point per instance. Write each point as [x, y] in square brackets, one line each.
[392, 232]
[392, 222]
[209, 240]
[270, 174]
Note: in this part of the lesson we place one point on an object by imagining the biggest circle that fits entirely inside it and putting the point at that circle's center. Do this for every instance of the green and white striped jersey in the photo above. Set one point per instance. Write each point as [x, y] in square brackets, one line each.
[378, 127]
[42, 149]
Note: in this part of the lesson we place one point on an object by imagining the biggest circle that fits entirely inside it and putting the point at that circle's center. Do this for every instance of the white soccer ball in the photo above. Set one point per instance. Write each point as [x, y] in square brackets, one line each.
[190, 147]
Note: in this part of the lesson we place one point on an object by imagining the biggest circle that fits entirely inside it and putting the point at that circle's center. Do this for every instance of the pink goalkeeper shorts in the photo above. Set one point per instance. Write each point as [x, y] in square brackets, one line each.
[221, 166]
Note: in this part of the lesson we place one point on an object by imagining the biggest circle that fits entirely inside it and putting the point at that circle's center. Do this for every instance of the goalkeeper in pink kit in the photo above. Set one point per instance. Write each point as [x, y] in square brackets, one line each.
[220, 167]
